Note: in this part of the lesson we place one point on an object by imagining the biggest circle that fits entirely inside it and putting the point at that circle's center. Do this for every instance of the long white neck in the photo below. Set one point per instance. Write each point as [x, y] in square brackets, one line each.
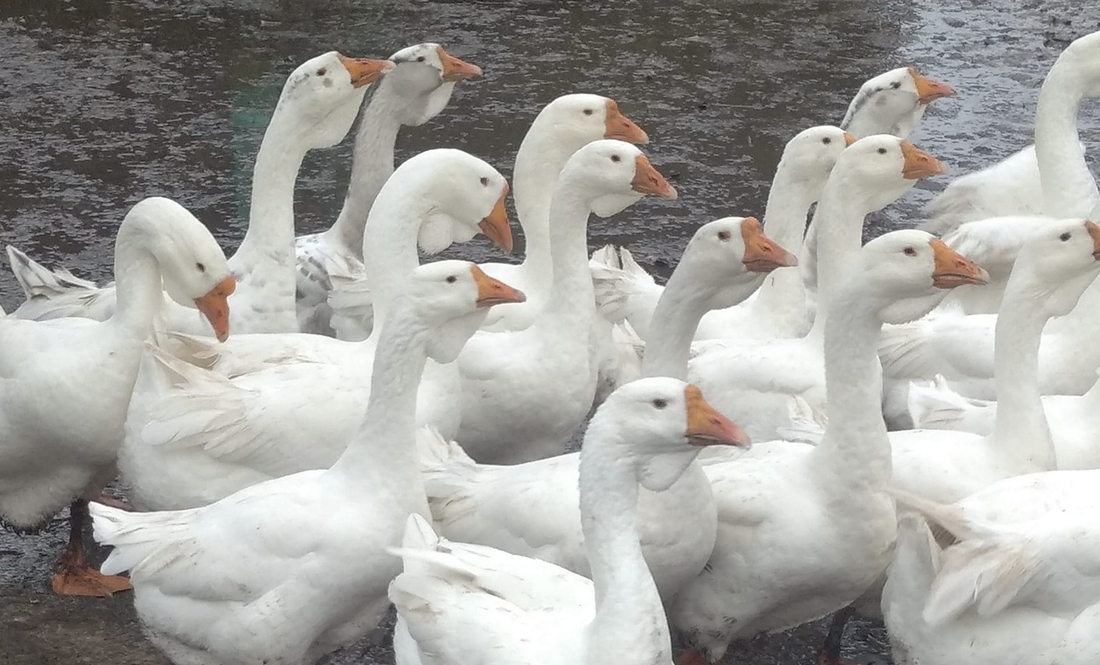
[138, 284]
[839, 221]
[268, 243]
[1020, 430]
[383, 453]
[867, 119]
[907, 123]
[572, 296]
[371, 165]
[785, 222]
[538, 163]
[629, 616]
[854, 452]
[677, 315]
[389, 244]
[1069, 190]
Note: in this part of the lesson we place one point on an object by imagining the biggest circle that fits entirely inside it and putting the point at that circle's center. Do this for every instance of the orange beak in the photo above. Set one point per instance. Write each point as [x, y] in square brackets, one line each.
[918, 163]
[618, 126]
[364, 72]
[1094, 231]
[849, 139]
[929, 90]
[455, 69]
[496, 226]
[707, 427]
[648, 181]
[493, 291]
[762, 254]
[954, 269]
[215, 306]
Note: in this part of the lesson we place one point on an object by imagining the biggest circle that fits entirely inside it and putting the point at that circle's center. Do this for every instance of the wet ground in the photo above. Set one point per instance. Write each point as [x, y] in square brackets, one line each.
[105, 102]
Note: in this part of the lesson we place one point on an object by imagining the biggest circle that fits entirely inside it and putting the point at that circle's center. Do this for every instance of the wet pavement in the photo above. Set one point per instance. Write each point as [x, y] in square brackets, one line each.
[105, 102]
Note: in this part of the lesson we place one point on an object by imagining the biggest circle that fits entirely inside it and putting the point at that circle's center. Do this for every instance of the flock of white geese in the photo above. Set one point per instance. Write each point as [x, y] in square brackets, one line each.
[377, 430]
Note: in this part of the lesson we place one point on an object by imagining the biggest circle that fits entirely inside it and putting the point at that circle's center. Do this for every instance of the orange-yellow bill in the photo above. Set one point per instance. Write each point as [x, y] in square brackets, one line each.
[492, 291]
[707, 427]
[215, 306]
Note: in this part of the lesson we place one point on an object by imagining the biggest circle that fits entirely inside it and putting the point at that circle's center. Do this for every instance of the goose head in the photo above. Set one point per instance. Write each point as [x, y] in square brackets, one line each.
[892, 102]
[462, 194]
[578, 119]
[1059, 261]
[453, 297]
[812, 153]
[659, 425]
[909, 272]
[729, 258]
[611, 175]
[425, 75]
[192, 264]
[1083, 56]
[322, 96]
[877, 170]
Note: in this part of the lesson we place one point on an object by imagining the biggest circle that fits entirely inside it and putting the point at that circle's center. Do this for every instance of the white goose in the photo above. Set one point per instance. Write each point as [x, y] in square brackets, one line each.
[531, 509]
[893, 103]
[563, 127]
[67, 381]
[1053, 270]
[474, 604]
[290, 569]
[316, 109]
[415, 91]
[525, 392]
[1038, 178]
[194, 436]
[1018, 582]
[1073, 419]
[960, 347]
[624, 290]
[803, 530]
[757, 379]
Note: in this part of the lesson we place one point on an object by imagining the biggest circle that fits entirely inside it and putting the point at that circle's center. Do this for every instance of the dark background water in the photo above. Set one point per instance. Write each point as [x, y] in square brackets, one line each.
[105, 102]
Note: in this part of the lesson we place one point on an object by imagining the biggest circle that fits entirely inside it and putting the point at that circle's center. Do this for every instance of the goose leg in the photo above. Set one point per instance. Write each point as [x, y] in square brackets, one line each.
[74, 577]
[830, 650]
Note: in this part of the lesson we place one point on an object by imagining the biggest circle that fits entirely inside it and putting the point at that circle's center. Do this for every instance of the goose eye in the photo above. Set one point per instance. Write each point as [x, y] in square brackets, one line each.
[588, 111]
[420, 59]
[202, 268]
[723, 235]
[895, 85]
[660, 403]
[826, 140]
[1064, 237]
[882, 151]
[452, 279]
[616, 158]
[484, 182]
[322, 71]
[909, 251]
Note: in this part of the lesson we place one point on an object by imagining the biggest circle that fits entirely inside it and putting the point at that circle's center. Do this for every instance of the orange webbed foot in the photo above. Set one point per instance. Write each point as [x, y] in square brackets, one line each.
[87, 581]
